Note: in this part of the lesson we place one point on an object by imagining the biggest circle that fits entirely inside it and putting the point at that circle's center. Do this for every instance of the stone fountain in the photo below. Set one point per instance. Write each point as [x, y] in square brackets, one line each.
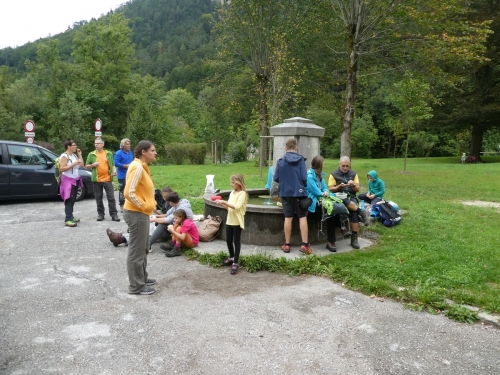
[264, 223]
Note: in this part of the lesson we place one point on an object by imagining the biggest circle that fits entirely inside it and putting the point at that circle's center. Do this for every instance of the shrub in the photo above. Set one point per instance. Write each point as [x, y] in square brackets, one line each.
[237, 151]
[197, 153]
[176, 152]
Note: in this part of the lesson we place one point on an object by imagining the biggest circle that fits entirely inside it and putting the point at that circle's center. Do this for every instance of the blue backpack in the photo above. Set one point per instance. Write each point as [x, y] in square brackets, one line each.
[386, 213]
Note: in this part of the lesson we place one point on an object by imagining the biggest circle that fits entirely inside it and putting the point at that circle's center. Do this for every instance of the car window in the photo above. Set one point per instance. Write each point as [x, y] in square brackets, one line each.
[50, 155]
[25, 155]
[0, 153]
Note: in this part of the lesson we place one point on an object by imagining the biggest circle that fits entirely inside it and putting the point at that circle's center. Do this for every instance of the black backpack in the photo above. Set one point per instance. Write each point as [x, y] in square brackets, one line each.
[160, 202]
[388, 214]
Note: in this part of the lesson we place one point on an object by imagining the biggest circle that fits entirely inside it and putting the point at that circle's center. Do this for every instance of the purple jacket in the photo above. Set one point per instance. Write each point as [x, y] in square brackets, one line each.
[66, 183]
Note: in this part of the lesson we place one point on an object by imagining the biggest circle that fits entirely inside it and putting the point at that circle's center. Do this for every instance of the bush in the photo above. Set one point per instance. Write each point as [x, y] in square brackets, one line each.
[363, 137]
[237, 151]
[197, 153]
[176, 152]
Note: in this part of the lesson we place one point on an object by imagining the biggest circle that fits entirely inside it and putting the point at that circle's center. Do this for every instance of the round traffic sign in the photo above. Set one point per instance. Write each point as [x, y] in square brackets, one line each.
[29, 126]
[98, 125]
[30, 140]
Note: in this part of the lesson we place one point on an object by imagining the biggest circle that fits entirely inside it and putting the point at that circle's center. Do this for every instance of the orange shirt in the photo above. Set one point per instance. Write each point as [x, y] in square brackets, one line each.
[102, 168]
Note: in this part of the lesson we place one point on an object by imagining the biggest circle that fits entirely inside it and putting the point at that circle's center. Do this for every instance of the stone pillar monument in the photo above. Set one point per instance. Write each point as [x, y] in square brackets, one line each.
[304, 131]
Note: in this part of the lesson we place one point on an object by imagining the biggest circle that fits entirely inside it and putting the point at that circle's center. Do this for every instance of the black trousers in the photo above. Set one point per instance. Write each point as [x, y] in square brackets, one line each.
[233, 240]
[110, 195]
[121, 196]
[70, 203]
[331, 222]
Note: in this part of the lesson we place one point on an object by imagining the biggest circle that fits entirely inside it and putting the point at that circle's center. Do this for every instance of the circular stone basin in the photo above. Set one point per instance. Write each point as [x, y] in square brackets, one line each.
[264, 222]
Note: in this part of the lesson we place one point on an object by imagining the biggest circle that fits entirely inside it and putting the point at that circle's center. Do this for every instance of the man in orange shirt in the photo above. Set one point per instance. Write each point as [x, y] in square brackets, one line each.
[103, 169]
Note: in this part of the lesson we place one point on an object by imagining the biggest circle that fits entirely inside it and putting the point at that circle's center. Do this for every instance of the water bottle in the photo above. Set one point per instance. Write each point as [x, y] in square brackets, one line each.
[362, 205]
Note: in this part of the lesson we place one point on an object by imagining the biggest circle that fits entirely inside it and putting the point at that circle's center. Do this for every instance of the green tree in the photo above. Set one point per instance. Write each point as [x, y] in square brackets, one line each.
[399, 32]
[105, 54]
[411, 97]
[148, 119]
[256, 33]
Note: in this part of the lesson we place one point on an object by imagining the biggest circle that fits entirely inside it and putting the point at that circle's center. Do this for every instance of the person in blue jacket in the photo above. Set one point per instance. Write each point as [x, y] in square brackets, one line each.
[376, 189]
[291, 174]
[316, 188]
[123, 157]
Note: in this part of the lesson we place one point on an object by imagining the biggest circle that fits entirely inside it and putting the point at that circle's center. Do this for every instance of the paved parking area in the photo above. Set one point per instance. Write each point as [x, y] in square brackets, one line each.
[64, 309]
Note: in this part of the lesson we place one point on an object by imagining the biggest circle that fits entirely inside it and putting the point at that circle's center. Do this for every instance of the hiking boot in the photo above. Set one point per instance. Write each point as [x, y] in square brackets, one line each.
[115, 237]
[354, 240]
[146, 291]
[168, 246]
[75, 220]
[115, 218]
[173, 253]
[285, 248]
[100, 217]
[70, 223]
[150, 282]
[306, 249]
[365, 218]
[331, 246]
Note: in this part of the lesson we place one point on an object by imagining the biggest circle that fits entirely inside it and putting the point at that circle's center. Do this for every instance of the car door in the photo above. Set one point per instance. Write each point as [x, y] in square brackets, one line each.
[29, 173]
[4, 173]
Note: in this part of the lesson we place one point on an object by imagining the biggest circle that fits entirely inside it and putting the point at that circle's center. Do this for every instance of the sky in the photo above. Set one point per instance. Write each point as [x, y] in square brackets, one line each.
[23, 21]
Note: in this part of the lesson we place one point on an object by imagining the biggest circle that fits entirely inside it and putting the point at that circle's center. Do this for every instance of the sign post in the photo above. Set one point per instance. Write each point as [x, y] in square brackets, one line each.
[29, 131]
[98, 127]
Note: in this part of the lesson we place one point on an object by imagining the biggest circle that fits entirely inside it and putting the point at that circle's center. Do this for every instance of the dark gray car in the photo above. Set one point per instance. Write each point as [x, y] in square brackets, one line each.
[28, 171]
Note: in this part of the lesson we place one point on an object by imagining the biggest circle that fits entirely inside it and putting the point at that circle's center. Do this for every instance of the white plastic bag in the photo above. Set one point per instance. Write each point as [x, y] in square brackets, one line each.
[152, 226]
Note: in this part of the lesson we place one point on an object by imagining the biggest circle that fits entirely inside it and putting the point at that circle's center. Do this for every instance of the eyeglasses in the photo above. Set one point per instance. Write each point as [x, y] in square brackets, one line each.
[73, 145]
[345, 166]
[98, 143]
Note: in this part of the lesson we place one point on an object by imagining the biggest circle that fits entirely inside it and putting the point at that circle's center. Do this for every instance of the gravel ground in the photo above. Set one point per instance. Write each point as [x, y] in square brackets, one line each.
[64, 309]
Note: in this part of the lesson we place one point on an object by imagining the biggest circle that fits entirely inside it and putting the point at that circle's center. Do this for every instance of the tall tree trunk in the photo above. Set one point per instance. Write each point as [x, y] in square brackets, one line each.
[477, 141]
[263, 118]
[406, 150]
[347, 116]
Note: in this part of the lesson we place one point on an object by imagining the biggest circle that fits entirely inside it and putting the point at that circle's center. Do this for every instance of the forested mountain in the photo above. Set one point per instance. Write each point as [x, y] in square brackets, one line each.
[422, 74]
[171, 39]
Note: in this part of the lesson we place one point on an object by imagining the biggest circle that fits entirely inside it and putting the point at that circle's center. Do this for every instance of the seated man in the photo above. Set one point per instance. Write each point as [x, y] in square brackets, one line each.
[345, 180]
[118, 238]
[164, 220]
[376, 189]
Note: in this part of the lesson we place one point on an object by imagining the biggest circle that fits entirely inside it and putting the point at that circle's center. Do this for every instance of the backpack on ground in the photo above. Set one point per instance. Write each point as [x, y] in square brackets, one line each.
[208, 229]
[389, 216]
[57, 169]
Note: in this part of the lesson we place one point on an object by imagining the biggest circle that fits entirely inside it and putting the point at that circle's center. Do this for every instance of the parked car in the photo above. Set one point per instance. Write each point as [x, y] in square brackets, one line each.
[28, 171]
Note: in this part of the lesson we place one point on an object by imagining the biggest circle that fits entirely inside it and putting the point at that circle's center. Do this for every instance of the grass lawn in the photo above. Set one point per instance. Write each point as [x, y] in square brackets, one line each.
[442, 250]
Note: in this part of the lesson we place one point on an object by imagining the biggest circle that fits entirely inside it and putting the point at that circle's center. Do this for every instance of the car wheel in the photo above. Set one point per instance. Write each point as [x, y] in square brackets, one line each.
[81, 193]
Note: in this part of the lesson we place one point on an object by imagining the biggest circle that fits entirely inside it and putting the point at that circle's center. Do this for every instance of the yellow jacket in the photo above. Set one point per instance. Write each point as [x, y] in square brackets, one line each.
[139, 189]
[236, 215]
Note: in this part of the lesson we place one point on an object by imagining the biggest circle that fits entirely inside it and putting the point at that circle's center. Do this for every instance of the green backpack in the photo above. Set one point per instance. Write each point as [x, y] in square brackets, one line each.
[57, 170]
